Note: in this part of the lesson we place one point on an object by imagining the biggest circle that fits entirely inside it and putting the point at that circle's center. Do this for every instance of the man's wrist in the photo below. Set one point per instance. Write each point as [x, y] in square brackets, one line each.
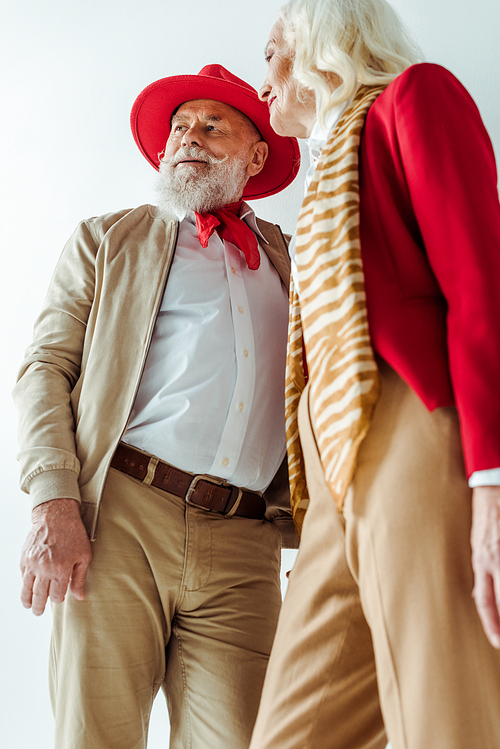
[55, 507]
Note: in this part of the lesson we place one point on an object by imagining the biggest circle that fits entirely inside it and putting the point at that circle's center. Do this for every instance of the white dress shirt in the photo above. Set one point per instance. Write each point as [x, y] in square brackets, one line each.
[211, 397]
[316, 142]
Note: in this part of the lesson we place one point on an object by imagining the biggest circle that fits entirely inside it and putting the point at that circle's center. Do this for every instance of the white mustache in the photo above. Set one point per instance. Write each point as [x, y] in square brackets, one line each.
[193, 152]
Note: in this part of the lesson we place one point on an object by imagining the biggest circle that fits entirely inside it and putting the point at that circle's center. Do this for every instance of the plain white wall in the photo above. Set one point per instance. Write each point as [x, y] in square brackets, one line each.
[70, 72]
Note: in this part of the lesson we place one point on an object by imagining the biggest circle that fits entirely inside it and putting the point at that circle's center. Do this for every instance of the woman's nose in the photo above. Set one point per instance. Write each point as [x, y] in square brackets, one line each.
[264, 91]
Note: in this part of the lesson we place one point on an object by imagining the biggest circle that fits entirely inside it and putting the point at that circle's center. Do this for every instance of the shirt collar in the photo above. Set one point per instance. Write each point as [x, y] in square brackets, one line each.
[320, 135]
[247, 214]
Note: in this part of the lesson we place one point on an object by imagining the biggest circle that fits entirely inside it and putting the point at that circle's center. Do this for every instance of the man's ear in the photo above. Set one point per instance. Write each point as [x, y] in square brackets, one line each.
[258, 156]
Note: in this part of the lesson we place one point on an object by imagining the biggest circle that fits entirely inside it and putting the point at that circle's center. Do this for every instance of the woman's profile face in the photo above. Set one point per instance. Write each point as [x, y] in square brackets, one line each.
[292, 108]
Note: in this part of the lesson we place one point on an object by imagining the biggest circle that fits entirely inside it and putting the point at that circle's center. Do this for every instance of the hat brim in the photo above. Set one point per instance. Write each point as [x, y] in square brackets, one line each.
[152, 112]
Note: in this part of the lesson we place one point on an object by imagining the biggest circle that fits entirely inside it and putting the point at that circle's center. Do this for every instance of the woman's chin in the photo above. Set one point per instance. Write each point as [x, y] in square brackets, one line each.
[277, 126]
[287, 129]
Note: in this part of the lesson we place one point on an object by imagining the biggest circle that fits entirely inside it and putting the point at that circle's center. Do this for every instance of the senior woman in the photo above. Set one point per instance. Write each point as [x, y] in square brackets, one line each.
[394, 328]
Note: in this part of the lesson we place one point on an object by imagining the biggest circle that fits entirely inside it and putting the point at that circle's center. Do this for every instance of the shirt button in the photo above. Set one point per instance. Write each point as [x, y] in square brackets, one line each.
[245, 353]
[240, 407]
[225, 462]
[233, 270]
[240, 309]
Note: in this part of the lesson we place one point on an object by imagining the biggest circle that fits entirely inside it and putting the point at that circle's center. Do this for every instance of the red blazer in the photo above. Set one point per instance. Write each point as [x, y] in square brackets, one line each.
[430, 241]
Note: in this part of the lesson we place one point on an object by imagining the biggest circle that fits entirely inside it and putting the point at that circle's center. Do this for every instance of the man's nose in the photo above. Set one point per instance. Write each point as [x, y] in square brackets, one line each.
[192, 137]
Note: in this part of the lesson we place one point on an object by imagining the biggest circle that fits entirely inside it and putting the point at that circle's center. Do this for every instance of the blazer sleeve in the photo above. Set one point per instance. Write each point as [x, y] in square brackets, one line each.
[449, 166]
[49, 372]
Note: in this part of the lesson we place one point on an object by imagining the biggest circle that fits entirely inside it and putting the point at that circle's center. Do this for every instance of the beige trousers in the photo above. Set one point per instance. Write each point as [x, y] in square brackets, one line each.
[378, 638]
[177, 598]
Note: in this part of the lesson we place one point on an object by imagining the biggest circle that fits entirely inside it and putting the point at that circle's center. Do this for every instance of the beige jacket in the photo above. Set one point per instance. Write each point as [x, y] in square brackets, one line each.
[79, 379]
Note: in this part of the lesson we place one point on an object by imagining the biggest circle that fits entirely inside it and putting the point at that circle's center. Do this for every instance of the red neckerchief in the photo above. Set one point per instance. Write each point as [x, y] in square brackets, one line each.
[226, 222]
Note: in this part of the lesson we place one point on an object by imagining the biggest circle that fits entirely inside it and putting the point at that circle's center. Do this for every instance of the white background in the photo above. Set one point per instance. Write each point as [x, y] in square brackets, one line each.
[70, 72]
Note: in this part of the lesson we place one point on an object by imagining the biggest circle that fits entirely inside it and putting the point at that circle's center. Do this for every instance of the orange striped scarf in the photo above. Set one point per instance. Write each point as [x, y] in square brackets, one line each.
[328, 315]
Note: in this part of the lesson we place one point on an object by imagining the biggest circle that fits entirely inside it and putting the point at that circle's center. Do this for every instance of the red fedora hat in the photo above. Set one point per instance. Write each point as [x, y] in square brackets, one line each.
[153, 109]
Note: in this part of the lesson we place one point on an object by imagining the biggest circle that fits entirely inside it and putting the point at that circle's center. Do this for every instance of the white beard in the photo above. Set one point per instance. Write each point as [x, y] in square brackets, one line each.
[199, 188]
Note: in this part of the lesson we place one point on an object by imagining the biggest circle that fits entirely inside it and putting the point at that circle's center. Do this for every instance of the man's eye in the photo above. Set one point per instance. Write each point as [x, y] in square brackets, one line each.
[178, 128]
[211, 127]
[268, 57]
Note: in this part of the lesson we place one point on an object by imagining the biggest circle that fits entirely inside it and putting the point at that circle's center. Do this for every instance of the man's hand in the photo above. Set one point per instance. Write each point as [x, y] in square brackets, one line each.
[56, 554]
[485, 540]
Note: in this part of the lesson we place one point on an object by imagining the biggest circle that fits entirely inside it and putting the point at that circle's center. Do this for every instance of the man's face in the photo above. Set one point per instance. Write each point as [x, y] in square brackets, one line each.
[211, 152]
[216, 128]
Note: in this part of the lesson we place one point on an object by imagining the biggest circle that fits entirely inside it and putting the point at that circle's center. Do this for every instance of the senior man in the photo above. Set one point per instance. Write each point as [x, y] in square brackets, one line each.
[151, 405]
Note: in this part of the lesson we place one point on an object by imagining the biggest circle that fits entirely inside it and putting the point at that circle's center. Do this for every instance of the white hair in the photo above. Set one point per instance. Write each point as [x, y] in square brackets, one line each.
[351, 41]
[201, 189]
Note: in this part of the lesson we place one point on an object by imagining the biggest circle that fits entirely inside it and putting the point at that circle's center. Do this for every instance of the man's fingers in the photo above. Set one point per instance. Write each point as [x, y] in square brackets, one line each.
[58, 589]
[36, 591]
[78, 578]
[27, 589]
[485, 598]
[40, 595]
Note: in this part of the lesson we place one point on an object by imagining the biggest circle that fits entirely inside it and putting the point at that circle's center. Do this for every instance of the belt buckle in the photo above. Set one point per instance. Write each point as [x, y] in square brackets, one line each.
[192, 487]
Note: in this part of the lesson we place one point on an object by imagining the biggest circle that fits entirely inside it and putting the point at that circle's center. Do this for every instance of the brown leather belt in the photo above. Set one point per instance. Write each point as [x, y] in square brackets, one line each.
[211, 494]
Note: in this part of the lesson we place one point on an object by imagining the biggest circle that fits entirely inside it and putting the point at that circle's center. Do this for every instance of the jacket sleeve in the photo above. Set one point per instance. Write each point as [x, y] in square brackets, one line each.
[50, 371]
[449, 166]
[278, 508]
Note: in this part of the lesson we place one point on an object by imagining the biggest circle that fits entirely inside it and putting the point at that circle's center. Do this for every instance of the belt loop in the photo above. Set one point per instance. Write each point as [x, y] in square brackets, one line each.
[153, 462]
[236, 504]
